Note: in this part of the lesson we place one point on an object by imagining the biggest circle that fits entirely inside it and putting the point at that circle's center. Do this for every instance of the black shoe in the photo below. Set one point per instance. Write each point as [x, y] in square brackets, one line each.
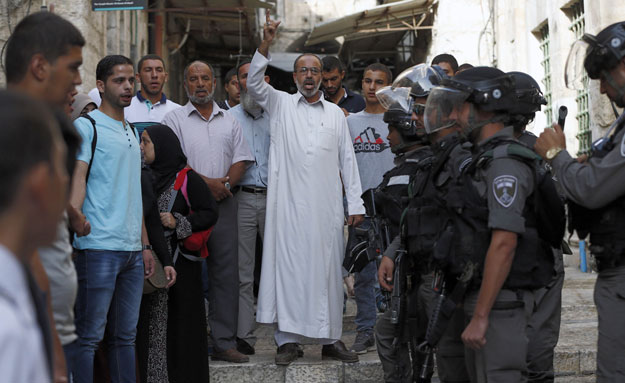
[300, 351]
[244, 348]
[338, 351]
[287, 353]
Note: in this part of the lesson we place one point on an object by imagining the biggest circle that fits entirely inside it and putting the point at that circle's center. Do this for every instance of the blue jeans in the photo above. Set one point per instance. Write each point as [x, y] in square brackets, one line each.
[110, 285]
[364, 291]
[72, 352]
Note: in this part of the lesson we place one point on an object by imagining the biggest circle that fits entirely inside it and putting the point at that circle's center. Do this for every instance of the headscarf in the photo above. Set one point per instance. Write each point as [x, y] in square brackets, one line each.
[168, 157]
[80, 101]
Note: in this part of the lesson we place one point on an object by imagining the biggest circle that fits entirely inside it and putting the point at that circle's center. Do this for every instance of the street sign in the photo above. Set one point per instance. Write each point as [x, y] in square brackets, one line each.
[118, 5]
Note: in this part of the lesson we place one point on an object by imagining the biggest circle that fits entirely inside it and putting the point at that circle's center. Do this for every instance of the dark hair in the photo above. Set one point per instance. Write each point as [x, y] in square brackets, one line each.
[186, 69]
[330, 63]
[26, 137]
[150, 56]
[446, 58]
[229, 74]
[44, 33]
[380, 68]
[105, 67]
[464, 66]
[244, 62]
[302, 55]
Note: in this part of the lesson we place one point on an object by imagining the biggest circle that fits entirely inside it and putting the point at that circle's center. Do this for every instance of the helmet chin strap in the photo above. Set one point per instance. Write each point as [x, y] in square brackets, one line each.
[620, 90]
[474, 128]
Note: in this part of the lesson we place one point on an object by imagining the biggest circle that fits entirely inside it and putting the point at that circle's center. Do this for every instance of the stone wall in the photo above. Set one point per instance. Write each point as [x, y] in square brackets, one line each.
[521, 51]
[110, 32]
[462, 28]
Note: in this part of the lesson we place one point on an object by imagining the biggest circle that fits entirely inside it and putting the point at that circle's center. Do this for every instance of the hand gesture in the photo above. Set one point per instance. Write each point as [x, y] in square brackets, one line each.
[80, 224]
[217, 186]
[548, 139]
[355, 220]
[474, 336]
[171, 275]
[270, 28]
[148, 263]
[385, 273]
[168, 220]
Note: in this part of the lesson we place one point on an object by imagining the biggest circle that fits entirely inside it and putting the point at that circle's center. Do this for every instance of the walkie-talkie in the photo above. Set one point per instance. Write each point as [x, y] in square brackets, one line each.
[562, 112]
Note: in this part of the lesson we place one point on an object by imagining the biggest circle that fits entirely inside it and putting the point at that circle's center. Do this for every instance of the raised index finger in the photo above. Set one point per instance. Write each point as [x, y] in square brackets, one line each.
[267, 15]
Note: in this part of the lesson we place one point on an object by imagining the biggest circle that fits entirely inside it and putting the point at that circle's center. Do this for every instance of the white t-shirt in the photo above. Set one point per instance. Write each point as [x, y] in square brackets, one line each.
[373, 152]
[22, 354]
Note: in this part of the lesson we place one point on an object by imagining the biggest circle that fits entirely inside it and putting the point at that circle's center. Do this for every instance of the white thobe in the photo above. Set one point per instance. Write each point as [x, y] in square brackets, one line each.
[301, 285]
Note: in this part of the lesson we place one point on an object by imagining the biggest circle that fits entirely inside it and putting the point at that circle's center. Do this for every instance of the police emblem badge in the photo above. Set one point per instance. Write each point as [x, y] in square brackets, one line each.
[504, 189]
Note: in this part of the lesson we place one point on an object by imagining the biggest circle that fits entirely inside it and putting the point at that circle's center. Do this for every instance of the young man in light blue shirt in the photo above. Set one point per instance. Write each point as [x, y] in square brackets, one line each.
[107, 189]
[252, 201]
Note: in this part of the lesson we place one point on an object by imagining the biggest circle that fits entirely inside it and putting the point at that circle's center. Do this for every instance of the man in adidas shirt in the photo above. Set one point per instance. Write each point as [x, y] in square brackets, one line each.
[374, 157]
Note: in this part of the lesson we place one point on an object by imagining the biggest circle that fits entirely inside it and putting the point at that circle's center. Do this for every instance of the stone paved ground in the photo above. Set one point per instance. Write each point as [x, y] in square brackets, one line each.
[574, 360]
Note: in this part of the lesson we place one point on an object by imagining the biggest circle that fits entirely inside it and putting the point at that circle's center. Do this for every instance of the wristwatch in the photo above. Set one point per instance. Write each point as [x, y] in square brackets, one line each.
[227, 185]
[146, 247]
[552, 153]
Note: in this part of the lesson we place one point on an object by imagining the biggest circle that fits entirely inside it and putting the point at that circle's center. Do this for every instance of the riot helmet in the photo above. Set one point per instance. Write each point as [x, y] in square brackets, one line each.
[400, 100]
[529, 99]
[596, 54]
[485, 89]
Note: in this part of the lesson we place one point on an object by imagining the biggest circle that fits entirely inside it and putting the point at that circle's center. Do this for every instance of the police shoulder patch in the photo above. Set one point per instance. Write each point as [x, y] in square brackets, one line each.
[504, 189]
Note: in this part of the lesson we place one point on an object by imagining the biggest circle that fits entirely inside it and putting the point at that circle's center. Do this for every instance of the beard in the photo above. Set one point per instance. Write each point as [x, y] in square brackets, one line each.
[248, 104]
[200, 100]
[307, 93]
[146, 90]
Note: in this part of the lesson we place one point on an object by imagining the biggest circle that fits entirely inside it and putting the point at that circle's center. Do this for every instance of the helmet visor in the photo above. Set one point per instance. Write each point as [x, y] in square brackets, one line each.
[398, 98]
[575, 76]
[419, 79]
[443, 108]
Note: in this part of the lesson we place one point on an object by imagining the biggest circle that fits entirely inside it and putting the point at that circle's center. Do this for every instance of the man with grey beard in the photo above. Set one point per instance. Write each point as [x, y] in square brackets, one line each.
[252, 201]
[213, 143]
[311, 152]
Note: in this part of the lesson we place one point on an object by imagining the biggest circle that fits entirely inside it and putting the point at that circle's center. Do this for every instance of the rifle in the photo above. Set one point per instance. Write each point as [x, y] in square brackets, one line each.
[398, 305]
[366, 243]
[378, 233]
[446, 303]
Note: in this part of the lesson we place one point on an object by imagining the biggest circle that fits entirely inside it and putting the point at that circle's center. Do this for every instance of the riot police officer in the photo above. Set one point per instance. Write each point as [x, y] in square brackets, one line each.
[544, 324]
[405, 101]
[493, 233]
[596, 191]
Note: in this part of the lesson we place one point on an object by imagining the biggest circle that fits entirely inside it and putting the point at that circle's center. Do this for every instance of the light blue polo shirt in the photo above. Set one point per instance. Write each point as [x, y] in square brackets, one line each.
[256, 133]
[113, 203]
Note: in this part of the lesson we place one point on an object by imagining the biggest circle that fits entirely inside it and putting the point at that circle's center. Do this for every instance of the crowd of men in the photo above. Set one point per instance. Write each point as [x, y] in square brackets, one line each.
[459, 210]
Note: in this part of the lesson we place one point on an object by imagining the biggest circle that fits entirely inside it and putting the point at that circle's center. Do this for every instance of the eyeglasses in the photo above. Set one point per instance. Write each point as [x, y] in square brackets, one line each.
[305, 69]
[418, 109]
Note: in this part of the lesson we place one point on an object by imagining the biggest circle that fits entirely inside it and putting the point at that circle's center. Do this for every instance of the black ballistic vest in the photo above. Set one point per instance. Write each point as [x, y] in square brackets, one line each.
[605, 225]
[467, 236]
[391, 200]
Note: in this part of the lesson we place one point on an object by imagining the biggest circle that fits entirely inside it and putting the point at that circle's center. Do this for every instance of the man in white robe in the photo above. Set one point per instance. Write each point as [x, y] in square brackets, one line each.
[301, 288]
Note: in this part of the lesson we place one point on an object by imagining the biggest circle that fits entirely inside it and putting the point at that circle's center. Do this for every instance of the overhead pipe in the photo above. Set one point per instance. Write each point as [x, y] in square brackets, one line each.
[184, 38]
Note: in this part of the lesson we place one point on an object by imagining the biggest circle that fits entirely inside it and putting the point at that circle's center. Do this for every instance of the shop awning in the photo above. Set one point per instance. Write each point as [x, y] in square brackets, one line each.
[407, 15]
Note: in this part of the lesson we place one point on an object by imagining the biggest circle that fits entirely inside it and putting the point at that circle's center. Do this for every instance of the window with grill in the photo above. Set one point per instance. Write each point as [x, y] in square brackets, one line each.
[546, 64]
[583, 116]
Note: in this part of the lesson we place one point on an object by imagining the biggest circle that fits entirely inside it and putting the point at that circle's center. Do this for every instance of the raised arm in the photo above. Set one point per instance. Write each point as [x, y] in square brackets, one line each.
[264, 94]
[593, 183]
[269, 34]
